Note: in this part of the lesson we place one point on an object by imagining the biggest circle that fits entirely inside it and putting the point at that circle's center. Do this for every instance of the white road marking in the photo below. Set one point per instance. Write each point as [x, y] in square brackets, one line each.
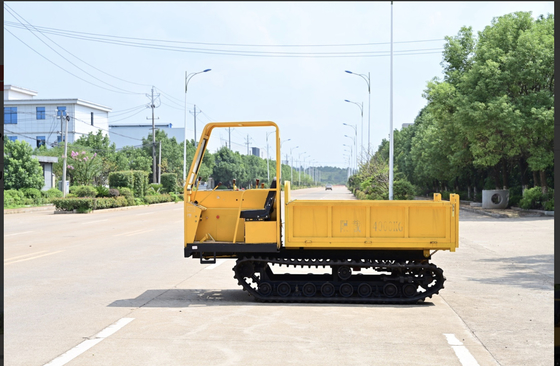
[23, 232]
[28, 259]
[91, 222]
[218, 262]
[141, 232]
[87, 344]
[134, 232]
[25, 255]
[461, 351]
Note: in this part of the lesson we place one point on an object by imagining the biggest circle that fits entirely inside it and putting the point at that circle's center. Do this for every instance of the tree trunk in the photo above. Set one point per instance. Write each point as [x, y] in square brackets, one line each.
[496, 176]
[504, 174]
[456, 184]
[523, 168]
[535, 179]
[543, 182]
[468, 191]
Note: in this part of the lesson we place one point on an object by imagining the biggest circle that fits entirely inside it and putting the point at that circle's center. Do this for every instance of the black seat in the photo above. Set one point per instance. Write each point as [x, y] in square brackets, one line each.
[264, 214]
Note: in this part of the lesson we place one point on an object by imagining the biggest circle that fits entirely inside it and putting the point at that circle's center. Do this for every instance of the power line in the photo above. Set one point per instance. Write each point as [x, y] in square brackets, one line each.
[62, 32]
[265, 53]
[58, 53]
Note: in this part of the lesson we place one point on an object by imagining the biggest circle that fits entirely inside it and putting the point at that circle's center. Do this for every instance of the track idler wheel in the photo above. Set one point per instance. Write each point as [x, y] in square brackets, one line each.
[265, 289]
[346, 290]
[390, 290]
[344, 272]
[284, 289]
[409, 290]
[309, 289]
[327, 290]
[364, 290]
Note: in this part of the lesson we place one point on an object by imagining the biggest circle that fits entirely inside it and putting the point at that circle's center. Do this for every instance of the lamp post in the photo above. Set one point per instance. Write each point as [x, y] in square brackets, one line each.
[292, 170]
[350, 161]
[355, 154]
[188, 78]
[367, 80]
[355, 142]
[299, 167]
[361, 106]
[268, 158]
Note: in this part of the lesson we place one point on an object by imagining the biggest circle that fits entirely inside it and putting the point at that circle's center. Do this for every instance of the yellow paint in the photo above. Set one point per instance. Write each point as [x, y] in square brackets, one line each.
[260, 232]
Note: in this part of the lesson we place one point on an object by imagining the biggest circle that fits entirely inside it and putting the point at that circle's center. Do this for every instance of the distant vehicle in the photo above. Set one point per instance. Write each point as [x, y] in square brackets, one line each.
[328, 186]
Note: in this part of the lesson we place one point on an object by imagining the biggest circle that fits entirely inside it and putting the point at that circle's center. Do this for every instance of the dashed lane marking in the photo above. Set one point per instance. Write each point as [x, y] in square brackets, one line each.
[11, 261]
[23, 232]
[87, 344]
[461, 351]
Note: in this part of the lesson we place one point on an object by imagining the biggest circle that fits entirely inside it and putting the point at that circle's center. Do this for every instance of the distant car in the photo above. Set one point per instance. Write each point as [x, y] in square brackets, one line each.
[328, 186]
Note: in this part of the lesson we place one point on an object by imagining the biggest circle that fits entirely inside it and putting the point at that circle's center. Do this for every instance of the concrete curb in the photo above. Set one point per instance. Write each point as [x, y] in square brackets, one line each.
[51, 207]
[495, 215]
[8, 211]
[542, 212]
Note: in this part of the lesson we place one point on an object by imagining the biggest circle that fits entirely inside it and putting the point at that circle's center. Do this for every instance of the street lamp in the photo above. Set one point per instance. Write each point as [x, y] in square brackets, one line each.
[268, 158]
[369, 98]
[361, 106]
[292, 170]
[355, 152]
[188, 78]
[355, 141]
[299, 167]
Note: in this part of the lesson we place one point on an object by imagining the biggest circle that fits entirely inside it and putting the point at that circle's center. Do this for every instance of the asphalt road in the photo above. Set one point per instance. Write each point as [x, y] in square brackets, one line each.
[113, 288]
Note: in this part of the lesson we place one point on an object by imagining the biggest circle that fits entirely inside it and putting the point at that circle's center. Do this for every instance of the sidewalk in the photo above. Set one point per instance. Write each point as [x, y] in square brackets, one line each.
[52, 208]
[513, 212]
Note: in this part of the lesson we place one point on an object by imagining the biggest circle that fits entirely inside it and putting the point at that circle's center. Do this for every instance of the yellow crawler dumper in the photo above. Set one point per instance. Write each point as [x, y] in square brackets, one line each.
[372, 251]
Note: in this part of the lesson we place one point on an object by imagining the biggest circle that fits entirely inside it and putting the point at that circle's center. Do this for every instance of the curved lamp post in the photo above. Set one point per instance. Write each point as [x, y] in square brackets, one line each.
[188, 78]
[367, 80]
[361, 106]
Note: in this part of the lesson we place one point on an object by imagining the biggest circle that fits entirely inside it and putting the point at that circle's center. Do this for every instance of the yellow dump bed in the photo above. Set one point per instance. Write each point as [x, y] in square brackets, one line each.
[358, 225]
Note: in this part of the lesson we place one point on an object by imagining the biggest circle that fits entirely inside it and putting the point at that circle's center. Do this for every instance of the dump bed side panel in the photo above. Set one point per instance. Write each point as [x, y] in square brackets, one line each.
[372, 224]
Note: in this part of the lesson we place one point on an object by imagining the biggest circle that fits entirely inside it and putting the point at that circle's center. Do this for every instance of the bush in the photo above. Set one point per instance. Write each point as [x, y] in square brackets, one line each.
[138, 201]
[113, 192]
[157, 187]
[102, 191]
[85, 191]
[127, 193]
[121, 179]
[514, 200]
[181, 196]
[80, 204]
[53, 193]
[140, 182]
[174, 197]
[33, 194]
[404, 190]
[151, 192]
[160, 198]
[169, 182]
[13, 197]
[534, 199]
[110, 202]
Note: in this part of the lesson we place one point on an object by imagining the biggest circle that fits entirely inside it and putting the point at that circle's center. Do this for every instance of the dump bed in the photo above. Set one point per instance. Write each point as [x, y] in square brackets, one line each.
[364, 224]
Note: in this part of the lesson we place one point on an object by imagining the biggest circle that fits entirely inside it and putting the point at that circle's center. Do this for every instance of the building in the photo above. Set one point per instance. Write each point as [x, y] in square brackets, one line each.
[256, 152]
[47, 165]
[131, 135]
[43, 121]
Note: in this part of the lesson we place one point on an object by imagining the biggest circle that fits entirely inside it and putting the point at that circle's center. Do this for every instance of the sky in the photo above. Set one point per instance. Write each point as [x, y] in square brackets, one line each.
[270, 61]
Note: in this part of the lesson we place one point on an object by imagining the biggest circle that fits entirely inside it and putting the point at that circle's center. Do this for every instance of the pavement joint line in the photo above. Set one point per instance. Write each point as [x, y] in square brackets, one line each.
[27, 259]
[23, 232]
[141, 232]
[87, 344]
[218, 262]
[469, 328]
[461, 351]
[131, 232]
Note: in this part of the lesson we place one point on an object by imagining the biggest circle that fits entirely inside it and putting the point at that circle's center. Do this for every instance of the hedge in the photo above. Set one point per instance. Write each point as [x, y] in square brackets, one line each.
[169, 182]
[158, 199]
[136, 180]
[86, 204]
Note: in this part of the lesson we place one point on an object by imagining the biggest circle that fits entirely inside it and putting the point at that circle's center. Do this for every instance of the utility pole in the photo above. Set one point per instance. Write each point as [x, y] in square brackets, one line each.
[391, 151]
[194, 114]
[229, 133]
[152, 105]
[159, 165]
[65, 153]
[248, 142]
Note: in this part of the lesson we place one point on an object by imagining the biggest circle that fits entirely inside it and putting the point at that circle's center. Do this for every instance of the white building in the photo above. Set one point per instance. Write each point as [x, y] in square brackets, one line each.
[42, 121]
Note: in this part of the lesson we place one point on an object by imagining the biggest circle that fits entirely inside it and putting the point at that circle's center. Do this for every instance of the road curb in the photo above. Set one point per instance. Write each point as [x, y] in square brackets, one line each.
[51, 207]
[9, 211]
[480, 212]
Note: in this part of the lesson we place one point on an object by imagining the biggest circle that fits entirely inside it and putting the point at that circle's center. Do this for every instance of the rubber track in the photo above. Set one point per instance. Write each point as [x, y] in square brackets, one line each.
[375, 298]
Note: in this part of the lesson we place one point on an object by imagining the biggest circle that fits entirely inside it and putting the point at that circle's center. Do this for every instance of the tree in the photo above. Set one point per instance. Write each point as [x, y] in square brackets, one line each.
[20, 169]
[229, 166]
[83, 167]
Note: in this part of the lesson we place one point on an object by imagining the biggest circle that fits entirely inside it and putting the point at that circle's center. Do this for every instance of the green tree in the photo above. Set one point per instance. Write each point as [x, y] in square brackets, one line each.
[20, 169]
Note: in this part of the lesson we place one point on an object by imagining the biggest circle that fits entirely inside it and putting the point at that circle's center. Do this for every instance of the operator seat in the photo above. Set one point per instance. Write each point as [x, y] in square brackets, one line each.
[264, 214]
